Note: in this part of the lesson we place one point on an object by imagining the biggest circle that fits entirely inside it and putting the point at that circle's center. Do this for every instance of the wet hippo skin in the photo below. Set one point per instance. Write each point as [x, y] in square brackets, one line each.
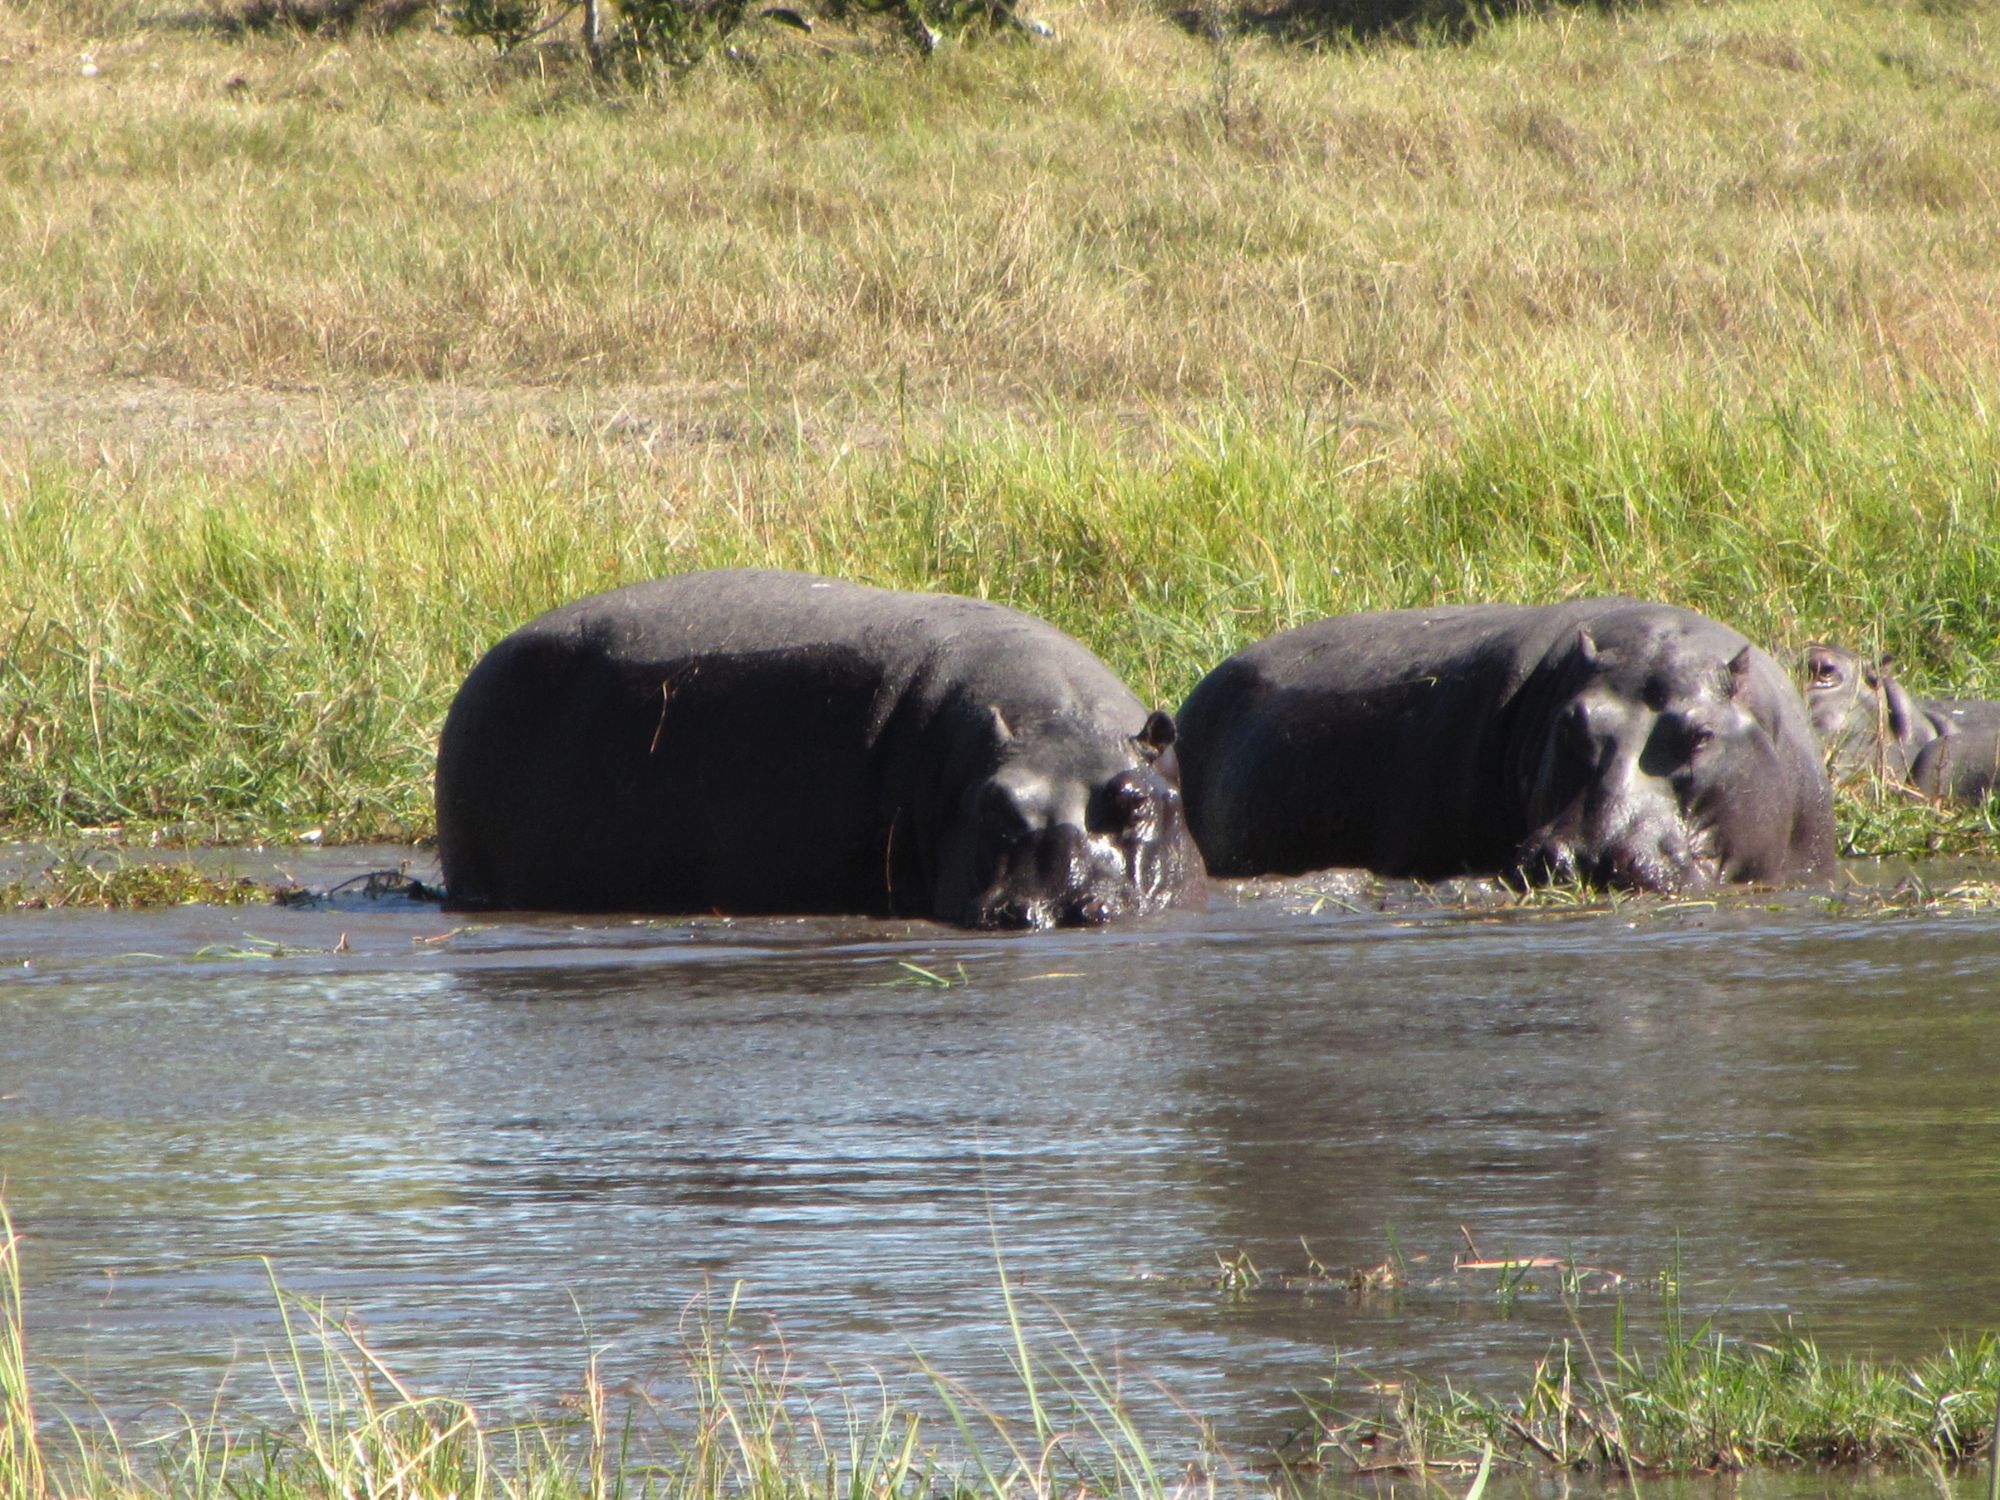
[1867, 721]
[1619, 741]
[762, 741]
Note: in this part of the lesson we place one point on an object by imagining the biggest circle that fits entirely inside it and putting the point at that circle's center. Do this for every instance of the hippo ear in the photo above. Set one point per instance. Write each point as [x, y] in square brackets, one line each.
[1586, 646]
[1001, 729]
[1902, 711]
[1739, 672]
[1157, 735]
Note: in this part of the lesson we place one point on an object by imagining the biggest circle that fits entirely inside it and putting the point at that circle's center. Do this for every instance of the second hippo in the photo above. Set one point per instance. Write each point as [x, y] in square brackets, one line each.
[1623, 742]
[1947, 748]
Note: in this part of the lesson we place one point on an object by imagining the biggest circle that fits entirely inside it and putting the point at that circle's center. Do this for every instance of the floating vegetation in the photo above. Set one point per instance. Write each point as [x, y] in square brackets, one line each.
[1508, 1277]
[133, 885]
[918, 976]
[122, 883]
[1915, 895]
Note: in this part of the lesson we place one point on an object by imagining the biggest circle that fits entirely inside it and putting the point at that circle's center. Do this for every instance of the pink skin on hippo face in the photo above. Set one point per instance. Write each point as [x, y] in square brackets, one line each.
[1863, 717]
[1613, 740]
[1650, 779]
[1040, 845]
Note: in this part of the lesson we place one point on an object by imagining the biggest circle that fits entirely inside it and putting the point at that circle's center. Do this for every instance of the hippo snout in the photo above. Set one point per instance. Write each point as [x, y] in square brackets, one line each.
[1665, 865]
[1058, 878]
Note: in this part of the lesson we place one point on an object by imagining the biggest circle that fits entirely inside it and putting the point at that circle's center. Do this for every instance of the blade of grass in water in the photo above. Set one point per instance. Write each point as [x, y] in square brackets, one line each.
[746, 1427]
[20, 1449]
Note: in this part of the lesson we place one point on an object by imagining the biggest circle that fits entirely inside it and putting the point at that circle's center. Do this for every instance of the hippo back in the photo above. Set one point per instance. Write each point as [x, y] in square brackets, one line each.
[1436, 742]
[761, 741]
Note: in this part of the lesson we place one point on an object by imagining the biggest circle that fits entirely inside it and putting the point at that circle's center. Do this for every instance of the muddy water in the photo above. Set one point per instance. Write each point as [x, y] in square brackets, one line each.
[498, 1147]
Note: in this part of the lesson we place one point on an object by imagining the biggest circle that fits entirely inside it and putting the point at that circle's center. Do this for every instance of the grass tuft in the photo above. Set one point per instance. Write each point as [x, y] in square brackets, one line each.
[748, 1424]
[745, 1426]
[1698, 1401]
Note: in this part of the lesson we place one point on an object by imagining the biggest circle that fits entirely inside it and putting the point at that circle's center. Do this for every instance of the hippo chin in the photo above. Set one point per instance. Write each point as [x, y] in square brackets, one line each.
[1609, 740]
[757, 741]
[1869, 723]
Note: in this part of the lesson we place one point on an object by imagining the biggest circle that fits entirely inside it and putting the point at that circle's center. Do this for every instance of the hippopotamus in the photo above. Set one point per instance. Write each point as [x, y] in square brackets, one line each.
[1867, 721]
[1610, 740]
[749, 741]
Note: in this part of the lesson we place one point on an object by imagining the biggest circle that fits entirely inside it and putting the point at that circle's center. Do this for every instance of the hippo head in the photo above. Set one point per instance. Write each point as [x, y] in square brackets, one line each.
[1069, 827]
[1660, 766]
[1862, 717]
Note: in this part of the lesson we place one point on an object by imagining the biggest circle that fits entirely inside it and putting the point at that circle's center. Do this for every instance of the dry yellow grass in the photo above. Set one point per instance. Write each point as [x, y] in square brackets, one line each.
[323, 363]
[1747, 196]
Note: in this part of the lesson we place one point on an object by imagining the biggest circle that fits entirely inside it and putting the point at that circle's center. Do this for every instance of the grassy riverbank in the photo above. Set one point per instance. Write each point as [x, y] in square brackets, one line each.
[326, 363]
[272, 651]
[1692, 1401]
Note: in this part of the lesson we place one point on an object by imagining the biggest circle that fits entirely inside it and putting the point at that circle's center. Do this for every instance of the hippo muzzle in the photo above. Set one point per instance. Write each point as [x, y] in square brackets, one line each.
[1058, 877]
[1627, 787]
[1043, 862]
[1668, 863]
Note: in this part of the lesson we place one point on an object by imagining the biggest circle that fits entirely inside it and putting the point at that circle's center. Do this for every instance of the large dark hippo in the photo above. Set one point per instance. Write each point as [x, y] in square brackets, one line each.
[1626, 743]
[745, 741]
[1868, 722]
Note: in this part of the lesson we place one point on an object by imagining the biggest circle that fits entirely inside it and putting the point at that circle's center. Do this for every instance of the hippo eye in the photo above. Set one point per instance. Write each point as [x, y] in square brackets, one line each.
[1131, 805]
[1825, 674]
[1690, 740]
[1002, 815]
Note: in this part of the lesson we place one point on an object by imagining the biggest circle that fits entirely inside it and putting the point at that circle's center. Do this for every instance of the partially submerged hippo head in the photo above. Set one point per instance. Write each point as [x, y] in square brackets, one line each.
[1069, 827]
[1673, 758]
[1863, 717]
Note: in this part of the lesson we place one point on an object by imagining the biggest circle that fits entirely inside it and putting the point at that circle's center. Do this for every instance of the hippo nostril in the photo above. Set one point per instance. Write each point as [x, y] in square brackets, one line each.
[1094, 908]
[1014, 915]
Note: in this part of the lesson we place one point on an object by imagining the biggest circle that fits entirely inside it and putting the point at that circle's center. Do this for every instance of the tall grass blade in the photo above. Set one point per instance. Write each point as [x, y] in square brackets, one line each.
[22, 1475]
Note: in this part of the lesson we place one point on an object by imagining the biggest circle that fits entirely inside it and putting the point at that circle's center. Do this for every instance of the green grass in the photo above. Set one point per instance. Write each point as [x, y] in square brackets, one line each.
[325, 364]
[739, 1421]
[1693, 1400]
[21, 1471]
[272, 651]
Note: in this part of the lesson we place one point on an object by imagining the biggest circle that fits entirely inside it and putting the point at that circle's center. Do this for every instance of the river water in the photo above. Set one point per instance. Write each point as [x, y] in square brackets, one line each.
[500, 1147]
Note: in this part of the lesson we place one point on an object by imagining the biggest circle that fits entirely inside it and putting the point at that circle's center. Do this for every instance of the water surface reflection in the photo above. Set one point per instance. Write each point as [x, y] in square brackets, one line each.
[502, 1148]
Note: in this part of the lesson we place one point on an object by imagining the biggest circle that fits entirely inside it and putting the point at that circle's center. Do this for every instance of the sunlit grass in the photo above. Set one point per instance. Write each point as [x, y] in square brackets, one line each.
[271, 651]
[327, 364]
[1694, 1399]
[738, 1420]
[21, 1471]
[1734, 195]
